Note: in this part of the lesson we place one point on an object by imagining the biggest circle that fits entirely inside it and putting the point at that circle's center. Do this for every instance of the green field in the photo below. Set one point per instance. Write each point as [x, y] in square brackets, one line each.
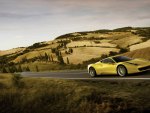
[43, 95]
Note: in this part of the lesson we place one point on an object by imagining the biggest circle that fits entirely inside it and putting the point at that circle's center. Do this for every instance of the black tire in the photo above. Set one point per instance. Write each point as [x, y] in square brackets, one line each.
[92, 72]
[122, 70]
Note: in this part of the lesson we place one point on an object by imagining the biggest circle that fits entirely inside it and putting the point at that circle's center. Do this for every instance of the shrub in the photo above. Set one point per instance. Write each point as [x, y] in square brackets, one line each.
[37, 68]
[124, 29]
[97, 42]
[111, 53]
[123, 50]
[68, 61]
[60, 59]
[4, 70]
[37, 45]
[16, 80]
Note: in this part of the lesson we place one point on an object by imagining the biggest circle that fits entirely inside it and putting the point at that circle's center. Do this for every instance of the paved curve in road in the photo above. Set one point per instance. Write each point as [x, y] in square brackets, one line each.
[83, 75]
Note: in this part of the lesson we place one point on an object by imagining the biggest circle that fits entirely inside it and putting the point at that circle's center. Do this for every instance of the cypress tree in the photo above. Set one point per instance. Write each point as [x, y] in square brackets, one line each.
[14, 69]
[4, 70]
[57, 53]
[10, 70]
[60, 59]
[49, 58]
[71, 50]
[37, 69]
[46, 57]
[19, 68]
[27, 68]
[60, 53]
[68, 61]
[52, 58]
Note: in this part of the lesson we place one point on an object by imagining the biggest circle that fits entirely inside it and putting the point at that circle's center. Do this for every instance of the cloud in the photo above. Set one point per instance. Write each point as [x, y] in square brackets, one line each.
[31, 8]
[51, 18]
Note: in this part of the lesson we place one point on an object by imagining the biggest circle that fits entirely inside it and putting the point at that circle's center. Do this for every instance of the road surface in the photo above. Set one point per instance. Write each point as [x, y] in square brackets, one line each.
[83, 75]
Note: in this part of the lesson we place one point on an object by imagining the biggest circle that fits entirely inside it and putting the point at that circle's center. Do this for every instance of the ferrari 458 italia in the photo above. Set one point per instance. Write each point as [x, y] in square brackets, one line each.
[120, 65]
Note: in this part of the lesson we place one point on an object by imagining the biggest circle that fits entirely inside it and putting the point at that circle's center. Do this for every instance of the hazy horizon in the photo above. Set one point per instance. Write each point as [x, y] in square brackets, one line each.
[26, 22]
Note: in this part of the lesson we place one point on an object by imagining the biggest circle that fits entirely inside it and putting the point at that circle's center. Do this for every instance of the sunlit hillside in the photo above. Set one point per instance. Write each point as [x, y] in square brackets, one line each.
[79, 47]
[143, 53]
[12, 51]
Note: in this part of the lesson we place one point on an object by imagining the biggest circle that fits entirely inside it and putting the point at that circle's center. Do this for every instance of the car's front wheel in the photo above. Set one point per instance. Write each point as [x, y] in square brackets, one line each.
[92, 72]
[122, 71]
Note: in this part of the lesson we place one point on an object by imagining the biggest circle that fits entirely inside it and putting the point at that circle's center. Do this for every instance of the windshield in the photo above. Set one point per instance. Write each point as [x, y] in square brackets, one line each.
[121, 58]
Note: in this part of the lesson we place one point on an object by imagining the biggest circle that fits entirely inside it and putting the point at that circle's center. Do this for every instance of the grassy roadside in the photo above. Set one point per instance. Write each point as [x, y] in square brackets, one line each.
[42, 95]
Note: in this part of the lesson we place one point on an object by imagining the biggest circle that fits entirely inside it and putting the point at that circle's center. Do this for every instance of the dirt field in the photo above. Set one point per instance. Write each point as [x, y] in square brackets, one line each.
[103, 43]
[140, 46]
[11, 51]
[85, 53]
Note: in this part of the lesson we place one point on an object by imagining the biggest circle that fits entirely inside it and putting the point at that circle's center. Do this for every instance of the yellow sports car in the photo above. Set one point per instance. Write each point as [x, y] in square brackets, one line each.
[120, 65]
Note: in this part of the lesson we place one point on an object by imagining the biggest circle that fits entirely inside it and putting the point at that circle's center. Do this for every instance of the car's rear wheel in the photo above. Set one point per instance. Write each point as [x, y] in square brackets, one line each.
[92, 72]
[122, 71]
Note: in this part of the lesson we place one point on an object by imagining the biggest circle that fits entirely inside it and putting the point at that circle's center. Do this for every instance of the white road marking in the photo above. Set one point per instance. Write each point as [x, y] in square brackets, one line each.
[53, 73]
[95, 78]
[109, 78]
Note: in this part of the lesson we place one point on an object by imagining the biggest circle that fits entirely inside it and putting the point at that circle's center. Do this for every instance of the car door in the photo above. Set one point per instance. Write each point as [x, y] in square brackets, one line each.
[108, 66]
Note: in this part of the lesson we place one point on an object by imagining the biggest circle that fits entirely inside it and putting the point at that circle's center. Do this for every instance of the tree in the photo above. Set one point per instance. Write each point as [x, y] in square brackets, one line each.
[11, 63]
[60, 53]
[3, 60]
[24, 59]
[4, 70]
[52, 58]
[14, 69]
[60, 59]
[53, 50]
[123, 50]
[10, 70]
[19, 68]
[57, 53]
[46, 57]
[68, 61]
[16, 80]
[103, 56]
[112, 53]
[37, 69]
[66, 52]
[40, 57]
[27, 68]
[49, 58]
[70, 50]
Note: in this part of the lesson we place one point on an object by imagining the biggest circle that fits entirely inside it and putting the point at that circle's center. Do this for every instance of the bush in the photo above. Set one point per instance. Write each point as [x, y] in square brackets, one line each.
[16, 80]
[144, 32]
[37, 45]
[123, 29]
[4, 70]
[42, 95]
[123, 50]
[111, 53]
[97, 42]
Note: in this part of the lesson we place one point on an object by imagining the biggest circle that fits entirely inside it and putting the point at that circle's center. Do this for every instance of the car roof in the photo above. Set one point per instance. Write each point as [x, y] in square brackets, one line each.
[107, 58]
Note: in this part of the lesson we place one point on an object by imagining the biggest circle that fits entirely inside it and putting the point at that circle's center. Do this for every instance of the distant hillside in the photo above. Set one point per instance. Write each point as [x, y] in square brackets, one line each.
[141, 31]
[11, 51]
[139, 53]
[77, 49]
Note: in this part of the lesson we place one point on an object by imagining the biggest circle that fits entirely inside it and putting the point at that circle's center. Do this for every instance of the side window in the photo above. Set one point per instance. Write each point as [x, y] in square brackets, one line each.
[107, 60]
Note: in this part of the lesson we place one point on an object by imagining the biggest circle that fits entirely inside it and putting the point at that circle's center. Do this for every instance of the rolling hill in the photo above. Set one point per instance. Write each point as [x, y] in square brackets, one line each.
[143, 53]
[12, 51]
[76, 48]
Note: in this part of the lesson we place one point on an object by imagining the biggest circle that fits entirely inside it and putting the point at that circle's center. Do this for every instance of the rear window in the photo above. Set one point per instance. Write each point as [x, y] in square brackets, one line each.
[121, 58]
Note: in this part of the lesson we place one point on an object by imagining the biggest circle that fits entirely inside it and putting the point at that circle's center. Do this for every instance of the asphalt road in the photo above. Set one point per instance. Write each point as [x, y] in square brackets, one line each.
[83, 75]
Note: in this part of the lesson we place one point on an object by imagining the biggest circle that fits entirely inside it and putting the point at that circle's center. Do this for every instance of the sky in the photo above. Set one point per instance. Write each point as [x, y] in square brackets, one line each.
[24, 22]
